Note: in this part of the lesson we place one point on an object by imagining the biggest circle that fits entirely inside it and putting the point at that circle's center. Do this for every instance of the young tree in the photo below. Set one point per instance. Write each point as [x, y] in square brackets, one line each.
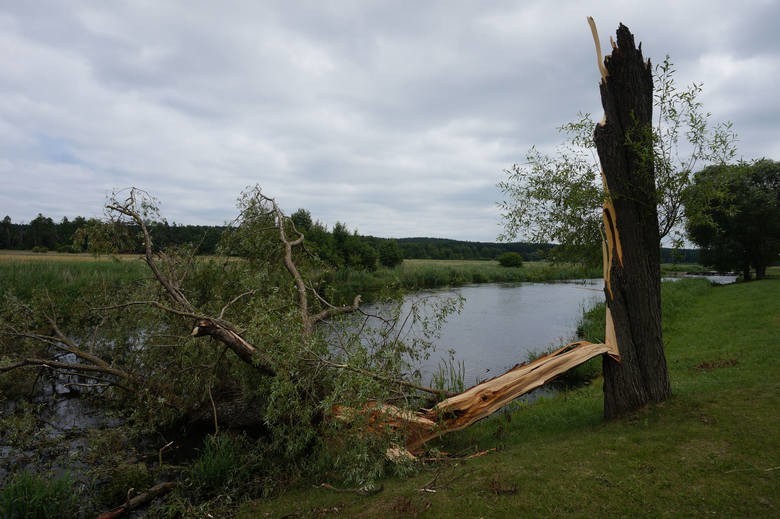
[733, 213]
[5, 233]
[43, 232]
[557, 198]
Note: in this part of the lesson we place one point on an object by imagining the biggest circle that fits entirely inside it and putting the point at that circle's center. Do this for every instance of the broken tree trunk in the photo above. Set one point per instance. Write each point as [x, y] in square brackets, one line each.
[635, 371]
[631, 255]
[462, 410]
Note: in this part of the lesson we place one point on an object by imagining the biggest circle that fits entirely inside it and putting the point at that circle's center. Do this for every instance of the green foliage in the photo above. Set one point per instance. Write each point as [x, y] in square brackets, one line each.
[97, 237]
[558, 198]
[510, 259]
[390, 254]
[445, 249]
[30, 496]
[224, 466]
[734, 215]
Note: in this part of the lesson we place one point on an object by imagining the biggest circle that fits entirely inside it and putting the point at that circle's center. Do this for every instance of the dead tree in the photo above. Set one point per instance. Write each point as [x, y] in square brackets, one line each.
[631, 253]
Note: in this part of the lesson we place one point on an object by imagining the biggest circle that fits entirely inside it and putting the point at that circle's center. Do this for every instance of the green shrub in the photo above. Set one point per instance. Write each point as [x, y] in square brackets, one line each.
[31, 496]
[221, 467]
[40, 249]
[510, 259]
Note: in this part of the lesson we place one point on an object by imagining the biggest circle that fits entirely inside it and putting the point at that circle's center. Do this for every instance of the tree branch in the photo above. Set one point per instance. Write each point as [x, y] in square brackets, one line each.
[441, 393]
[58, 365]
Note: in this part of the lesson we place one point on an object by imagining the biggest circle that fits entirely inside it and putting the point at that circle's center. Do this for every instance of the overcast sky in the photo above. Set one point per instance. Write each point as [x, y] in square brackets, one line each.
[397, 118]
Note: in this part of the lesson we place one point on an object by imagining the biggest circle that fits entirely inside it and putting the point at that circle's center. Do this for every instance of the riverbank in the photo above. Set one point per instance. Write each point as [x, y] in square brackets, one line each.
[710, 450]
[25, 270]
[421, 274]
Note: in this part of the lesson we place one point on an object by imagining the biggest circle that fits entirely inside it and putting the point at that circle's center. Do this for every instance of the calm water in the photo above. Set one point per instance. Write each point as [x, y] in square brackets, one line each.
[501, 323]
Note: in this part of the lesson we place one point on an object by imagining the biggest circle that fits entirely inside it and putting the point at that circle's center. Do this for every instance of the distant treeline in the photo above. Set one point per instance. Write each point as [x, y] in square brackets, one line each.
[337, 246]
[44, 234]
[439, 248]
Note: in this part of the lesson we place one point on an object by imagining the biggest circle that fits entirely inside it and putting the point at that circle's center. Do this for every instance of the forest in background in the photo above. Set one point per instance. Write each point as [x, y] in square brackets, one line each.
[337, 246]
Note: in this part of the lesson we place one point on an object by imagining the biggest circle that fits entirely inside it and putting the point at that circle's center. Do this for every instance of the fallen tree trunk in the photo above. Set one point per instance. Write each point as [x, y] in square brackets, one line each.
[139, 500]
[482, 400]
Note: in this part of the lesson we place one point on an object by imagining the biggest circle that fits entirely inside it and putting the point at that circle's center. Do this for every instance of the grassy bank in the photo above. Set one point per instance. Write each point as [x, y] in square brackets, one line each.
[710, 450]
[419, 274]
[21, 269]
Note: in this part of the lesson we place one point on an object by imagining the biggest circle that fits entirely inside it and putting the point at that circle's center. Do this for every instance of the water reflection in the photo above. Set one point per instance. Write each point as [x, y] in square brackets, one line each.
[500, 324]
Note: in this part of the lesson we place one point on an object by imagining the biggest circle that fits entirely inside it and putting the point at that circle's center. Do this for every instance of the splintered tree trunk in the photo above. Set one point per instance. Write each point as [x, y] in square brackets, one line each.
[632, 257]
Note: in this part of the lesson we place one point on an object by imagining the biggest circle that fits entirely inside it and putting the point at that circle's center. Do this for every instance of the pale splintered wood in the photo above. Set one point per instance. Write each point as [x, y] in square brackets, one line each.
[482, 400]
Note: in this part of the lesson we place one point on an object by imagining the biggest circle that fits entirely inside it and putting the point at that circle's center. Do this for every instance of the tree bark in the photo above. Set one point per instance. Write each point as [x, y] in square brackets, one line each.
[632, 256]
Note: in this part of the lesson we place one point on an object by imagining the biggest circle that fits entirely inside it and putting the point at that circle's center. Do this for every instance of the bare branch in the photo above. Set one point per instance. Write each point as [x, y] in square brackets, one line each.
[129, 210]
[234, 300]
[336, 310]
[441, 393]
[70, 366]
[155, 304]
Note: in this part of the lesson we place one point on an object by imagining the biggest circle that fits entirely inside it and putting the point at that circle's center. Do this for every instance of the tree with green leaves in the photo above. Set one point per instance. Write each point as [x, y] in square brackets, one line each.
[557, 198]
[510, 259]
[390, 254]
[246, 340]
[733, 213]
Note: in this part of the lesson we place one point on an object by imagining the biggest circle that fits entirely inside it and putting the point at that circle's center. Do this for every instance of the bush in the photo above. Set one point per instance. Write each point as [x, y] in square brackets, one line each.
[390, 254]
[31, 496]
[221, 467]
[510, 259]
[40, 250]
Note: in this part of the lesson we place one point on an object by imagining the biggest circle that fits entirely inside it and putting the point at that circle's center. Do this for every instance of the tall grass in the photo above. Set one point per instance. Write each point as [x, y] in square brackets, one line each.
[66, 277]
[30, 496]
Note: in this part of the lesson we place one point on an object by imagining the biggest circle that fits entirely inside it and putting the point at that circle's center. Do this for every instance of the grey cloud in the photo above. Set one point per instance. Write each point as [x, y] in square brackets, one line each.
[396, 118]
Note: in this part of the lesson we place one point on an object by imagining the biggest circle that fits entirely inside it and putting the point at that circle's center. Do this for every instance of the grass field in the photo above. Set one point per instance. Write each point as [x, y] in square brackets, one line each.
[26, 272]
[23, 256]
[712, 450]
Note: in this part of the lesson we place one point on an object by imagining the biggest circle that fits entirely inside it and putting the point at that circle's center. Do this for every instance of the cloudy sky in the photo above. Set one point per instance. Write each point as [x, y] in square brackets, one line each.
[396, 118]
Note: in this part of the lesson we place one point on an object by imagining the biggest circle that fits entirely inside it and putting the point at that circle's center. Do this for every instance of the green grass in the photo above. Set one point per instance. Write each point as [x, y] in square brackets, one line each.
[29, 496]
[420, 273]
[27, 273]
[710, 450]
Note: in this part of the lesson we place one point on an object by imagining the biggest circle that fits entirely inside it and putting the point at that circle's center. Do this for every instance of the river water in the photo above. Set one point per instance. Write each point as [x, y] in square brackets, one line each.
[501, 323]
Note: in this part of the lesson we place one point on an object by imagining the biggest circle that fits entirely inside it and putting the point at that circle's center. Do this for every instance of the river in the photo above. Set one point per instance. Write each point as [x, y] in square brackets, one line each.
[501, 323]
